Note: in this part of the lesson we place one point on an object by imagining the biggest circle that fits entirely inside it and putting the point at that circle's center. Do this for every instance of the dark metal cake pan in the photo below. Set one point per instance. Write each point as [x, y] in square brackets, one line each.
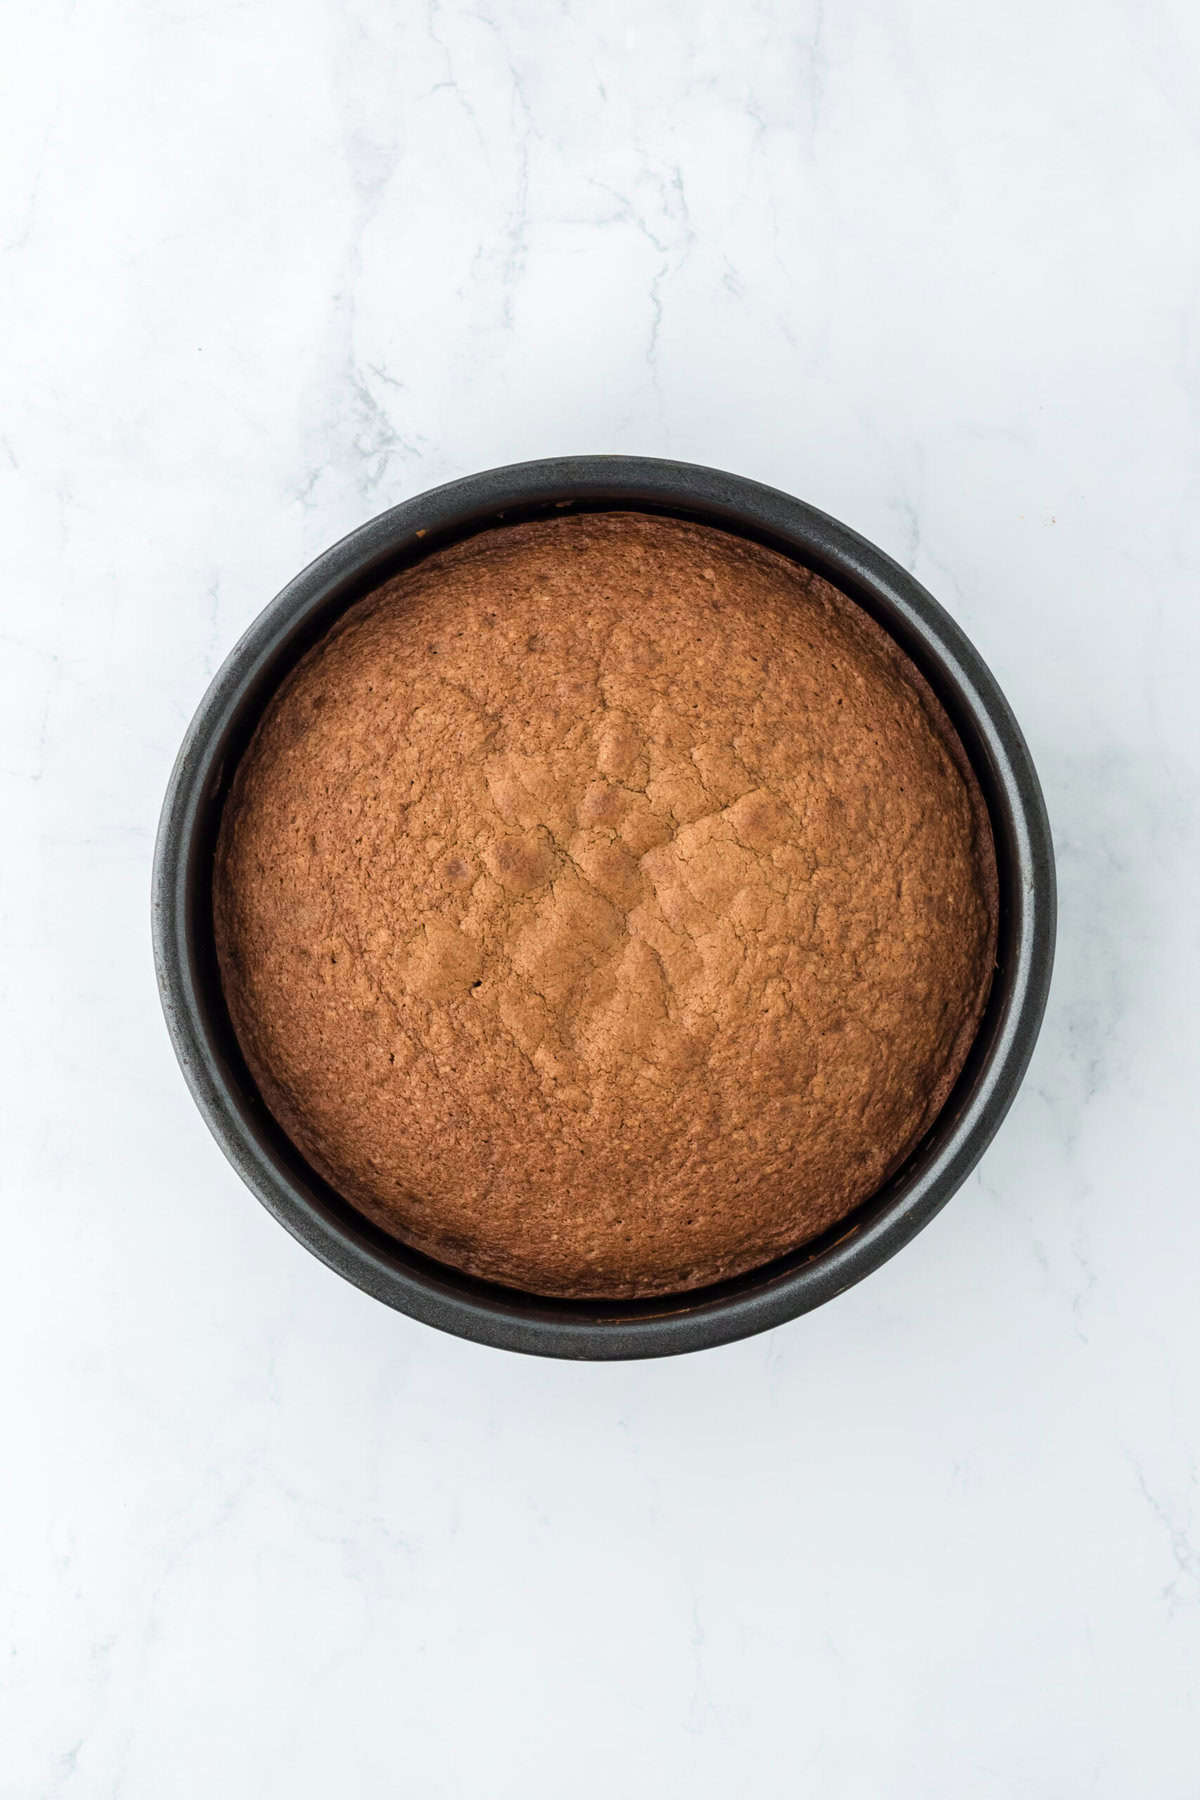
[271, 1165]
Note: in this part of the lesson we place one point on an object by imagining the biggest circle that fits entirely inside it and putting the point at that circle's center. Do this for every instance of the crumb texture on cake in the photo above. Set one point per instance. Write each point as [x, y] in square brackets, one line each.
[606, 906]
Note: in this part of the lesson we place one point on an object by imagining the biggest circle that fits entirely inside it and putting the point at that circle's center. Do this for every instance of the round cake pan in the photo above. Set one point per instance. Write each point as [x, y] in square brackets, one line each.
[270, 1164]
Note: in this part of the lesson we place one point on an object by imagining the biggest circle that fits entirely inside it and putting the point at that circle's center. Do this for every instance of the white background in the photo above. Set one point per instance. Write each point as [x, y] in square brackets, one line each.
[267, 270]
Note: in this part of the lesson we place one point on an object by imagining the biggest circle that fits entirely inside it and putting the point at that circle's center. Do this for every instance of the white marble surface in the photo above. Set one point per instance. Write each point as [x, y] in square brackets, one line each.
[265, 271]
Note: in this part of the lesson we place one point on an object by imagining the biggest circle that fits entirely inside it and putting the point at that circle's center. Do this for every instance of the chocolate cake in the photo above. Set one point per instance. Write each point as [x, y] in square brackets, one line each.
[605, 906]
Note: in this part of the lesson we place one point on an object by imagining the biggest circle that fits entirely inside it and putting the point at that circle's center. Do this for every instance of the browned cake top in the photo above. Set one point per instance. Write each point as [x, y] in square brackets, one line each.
[606, 906]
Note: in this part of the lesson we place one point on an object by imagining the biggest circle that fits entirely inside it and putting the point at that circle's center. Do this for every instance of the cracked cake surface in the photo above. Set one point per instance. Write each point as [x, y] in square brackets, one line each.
[605, 906]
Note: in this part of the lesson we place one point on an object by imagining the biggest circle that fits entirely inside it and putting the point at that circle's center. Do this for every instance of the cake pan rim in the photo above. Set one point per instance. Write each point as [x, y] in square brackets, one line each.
[440, 1296]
